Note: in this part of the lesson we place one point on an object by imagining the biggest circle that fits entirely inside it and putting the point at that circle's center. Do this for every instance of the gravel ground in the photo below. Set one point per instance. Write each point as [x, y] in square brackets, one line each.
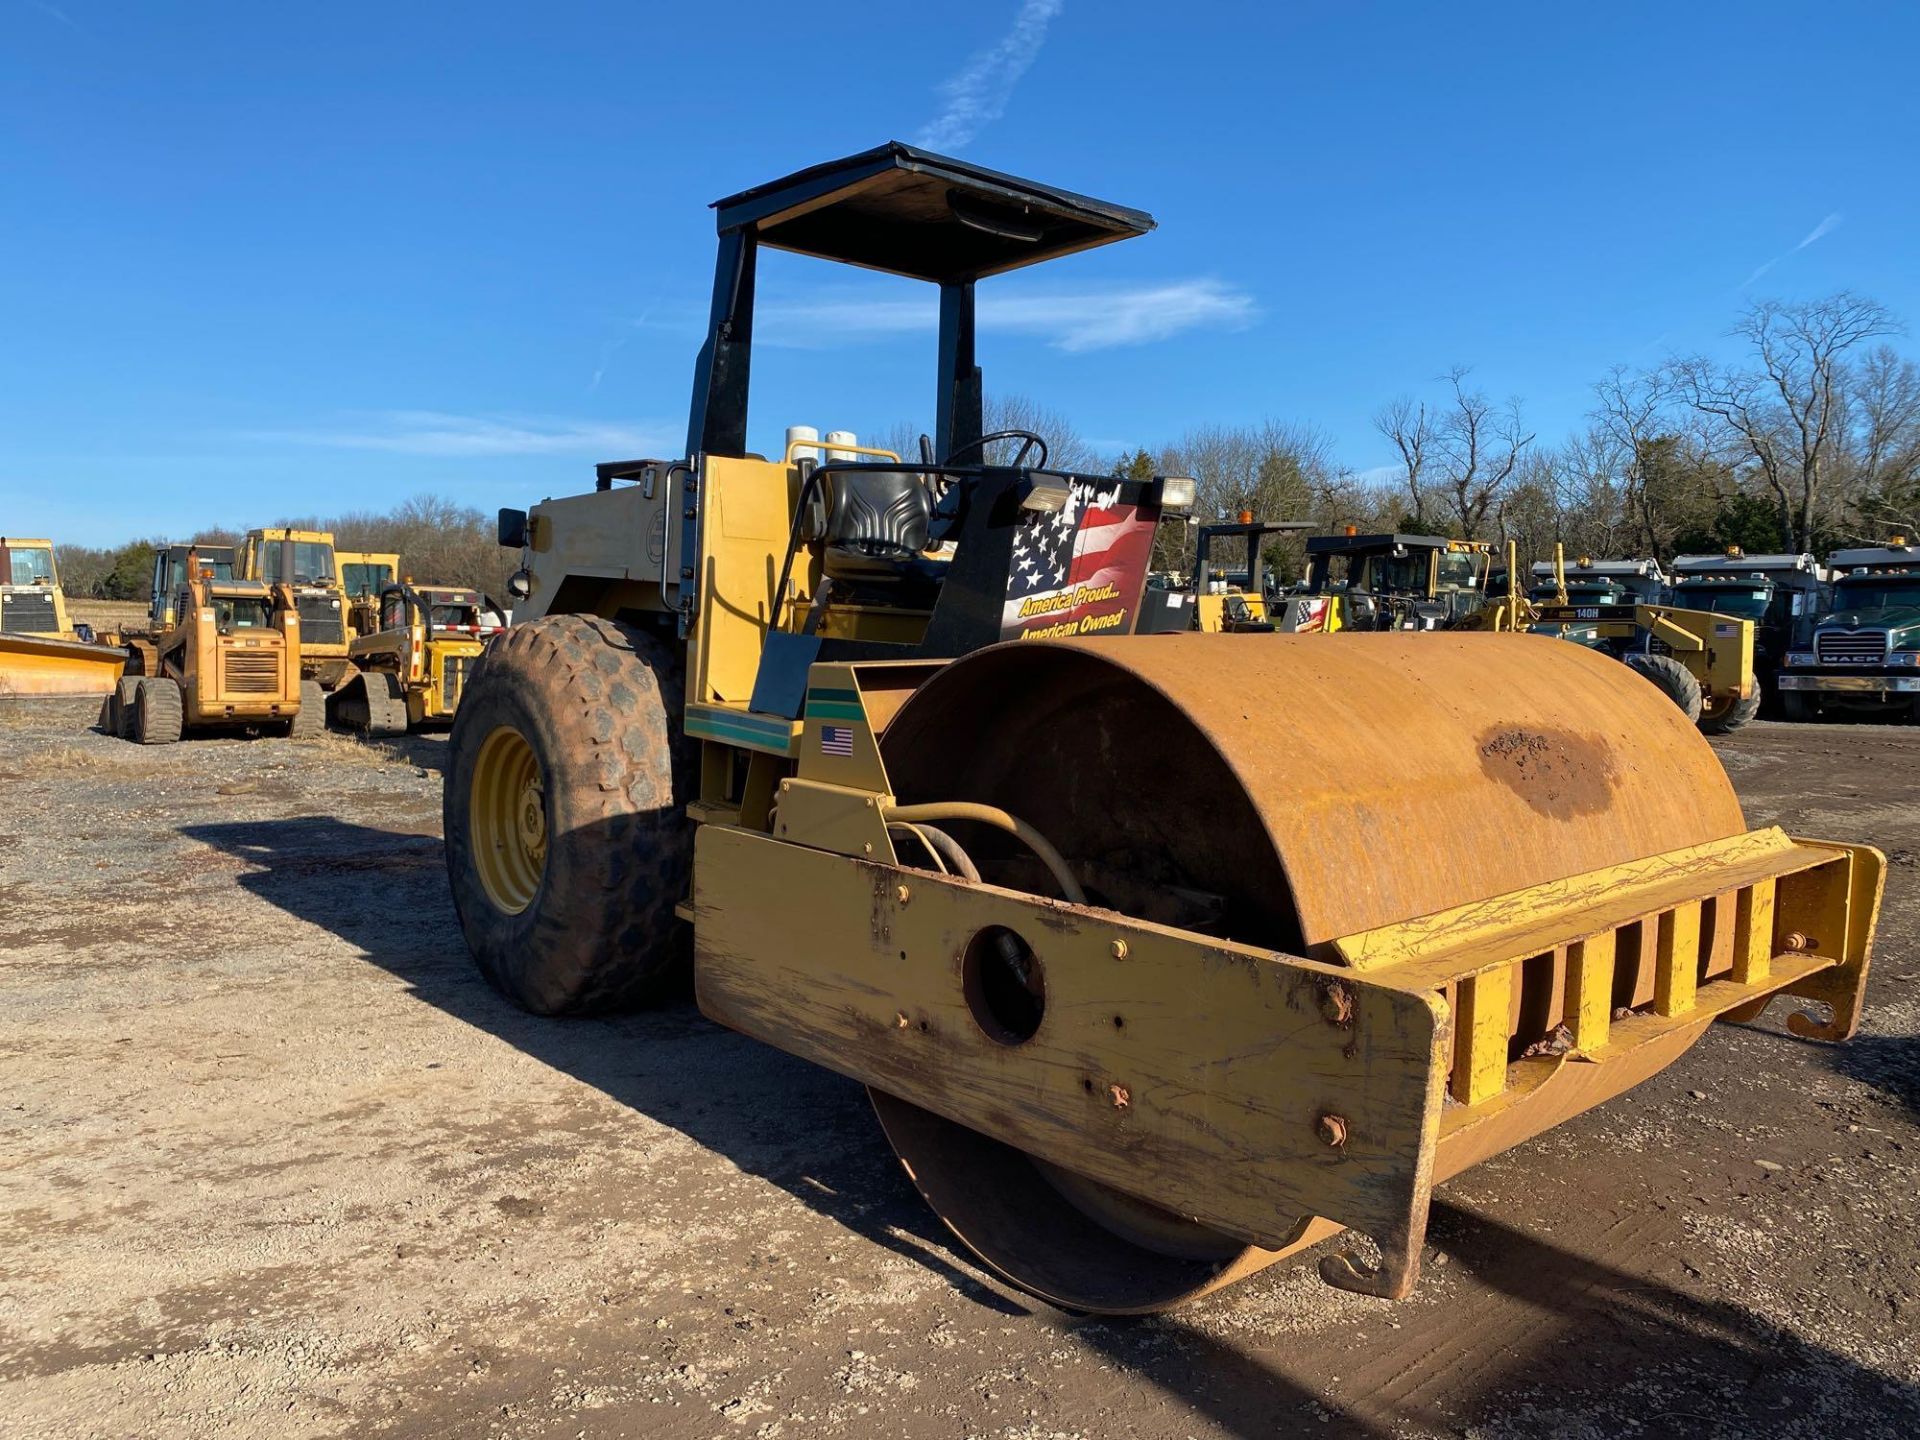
[273, 1162]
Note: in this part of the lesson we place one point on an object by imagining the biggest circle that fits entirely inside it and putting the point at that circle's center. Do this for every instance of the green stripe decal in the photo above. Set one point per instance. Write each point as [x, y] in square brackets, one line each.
[834, 710]
[824, 693]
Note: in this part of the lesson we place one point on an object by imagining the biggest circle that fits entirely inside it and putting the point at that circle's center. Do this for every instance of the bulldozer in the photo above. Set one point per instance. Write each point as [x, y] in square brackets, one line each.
[411, 668]
[1144, 1001]
[42, 654]
[227, 658]
[304, 562]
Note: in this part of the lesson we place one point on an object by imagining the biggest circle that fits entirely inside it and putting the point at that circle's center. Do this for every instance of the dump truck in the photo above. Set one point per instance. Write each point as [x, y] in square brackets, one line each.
[1145, 1000]
[1865, 650]
[1397, 581]
[1702, 660]
[42, 654]
[304, 561]
[411, 669]
[1239, 601]
[229, 659]
[1780, 594]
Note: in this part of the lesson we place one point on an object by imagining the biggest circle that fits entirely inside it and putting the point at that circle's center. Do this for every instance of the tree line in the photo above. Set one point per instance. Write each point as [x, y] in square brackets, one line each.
[1806, 437]
[437, 540]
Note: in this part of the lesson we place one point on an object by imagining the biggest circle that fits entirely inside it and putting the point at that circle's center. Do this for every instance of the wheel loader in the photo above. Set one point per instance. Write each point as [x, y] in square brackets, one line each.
[1145, 998]
[411, 669]
[228, 658]
[304, 562]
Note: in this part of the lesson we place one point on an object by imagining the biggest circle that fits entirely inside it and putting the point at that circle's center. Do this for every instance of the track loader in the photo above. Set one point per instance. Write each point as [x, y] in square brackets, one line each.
[227, 658]
[412, 667]
[1144, 999]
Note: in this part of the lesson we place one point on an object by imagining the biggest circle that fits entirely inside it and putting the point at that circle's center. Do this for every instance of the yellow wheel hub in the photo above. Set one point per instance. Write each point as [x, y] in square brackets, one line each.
[509, 820]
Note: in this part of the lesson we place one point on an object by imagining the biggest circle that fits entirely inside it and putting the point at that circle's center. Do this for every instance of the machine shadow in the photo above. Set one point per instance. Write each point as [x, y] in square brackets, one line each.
[788, 1122]
[812, 1133]
[1889, 1063]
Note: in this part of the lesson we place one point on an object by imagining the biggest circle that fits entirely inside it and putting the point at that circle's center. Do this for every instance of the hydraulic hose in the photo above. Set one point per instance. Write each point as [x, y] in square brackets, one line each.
[1000, 820]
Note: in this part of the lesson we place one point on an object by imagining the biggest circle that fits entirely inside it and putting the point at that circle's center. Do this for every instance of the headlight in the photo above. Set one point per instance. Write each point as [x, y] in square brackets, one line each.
[1905, 658]
[1801, 657]
[1176, 492]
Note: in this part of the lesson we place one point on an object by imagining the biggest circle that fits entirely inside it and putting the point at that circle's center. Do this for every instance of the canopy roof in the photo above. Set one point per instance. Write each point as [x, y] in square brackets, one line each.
[911, 212]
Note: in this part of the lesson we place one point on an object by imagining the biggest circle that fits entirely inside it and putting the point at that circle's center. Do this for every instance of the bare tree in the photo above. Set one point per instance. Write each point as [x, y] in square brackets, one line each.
[1410, 427]
[1478, 448]
[1787, 410]
[1885, 407]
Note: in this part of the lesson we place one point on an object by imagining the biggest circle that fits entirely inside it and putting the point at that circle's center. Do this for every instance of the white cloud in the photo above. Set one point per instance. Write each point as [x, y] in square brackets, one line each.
[1819, 232]
[978, 95]
[435, 433]
[1071, 320]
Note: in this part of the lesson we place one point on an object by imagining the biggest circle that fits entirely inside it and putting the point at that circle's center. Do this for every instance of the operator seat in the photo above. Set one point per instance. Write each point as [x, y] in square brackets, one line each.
[877, 528]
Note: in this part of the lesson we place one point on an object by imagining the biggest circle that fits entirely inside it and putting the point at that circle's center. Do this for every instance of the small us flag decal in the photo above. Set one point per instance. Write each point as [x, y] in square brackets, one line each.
[836, 740]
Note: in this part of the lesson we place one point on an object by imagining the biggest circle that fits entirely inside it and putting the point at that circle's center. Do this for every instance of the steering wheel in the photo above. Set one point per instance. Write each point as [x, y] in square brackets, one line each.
[1027, 437]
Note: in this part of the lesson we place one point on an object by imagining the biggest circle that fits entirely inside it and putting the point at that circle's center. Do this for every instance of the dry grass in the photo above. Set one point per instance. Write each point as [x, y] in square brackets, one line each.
[105, 614]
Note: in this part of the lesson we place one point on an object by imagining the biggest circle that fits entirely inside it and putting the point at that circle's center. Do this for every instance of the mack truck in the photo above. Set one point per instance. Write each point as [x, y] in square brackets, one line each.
[1865, 650]
[1780, 594]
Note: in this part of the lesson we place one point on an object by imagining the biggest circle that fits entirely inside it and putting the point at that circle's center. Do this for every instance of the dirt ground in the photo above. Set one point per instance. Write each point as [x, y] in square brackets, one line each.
[274, 1162]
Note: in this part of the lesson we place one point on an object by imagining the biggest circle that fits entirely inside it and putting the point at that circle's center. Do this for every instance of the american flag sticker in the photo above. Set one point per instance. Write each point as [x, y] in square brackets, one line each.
[836, 740]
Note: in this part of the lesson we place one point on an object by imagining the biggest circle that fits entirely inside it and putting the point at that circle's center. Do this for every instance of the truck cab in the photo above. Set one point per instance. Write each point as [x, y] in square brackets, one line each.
[363, 575]
[1780, 594]
[1865, 650]
[304, 560]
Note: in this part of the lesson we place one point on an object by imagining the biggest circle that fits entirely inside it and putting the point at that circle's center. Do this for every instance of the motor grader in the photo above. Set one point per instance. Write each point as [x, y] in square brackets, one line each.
[1702, 660]
[1144, 999]
[411, 669]
[227, 658]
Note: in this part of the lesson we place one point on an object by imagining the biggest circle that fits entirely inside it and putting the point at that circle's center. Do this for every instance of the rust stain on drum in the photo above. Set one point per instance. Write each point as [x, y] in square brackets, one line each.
[1559, 774]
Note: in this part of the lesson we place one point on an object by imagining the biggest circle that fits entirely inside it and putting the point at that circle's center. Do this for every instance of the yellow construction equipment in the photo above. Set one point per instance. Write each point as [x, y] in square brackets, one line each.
[1148, 994]
[363, 575]
[304, 561]
[228, 658]
[412, 667]
[41, 654]
[1397, 581]
[1239, 601]
[1702, 660]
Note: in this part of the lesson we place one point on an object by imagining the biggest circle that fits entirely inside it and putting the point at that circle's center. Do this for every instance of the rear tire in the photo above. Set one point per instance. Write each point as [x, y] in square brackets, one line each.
[1798, 707]
[158, 711]
[567, 840]
[1670, 678]
[312, 717]
[118, 717]
[1736, 714]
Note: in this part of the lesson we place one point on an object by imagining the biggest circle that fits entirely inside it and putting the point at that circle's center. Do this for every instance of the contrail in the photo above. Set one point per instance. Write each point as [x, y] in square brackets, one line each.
[978, 95]
[1819, 232]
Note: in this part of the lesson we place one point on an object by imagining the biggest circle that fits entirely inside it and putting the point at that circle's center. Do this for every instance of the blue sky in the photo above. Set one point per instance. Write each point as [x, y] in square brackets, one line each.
[259, 260]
